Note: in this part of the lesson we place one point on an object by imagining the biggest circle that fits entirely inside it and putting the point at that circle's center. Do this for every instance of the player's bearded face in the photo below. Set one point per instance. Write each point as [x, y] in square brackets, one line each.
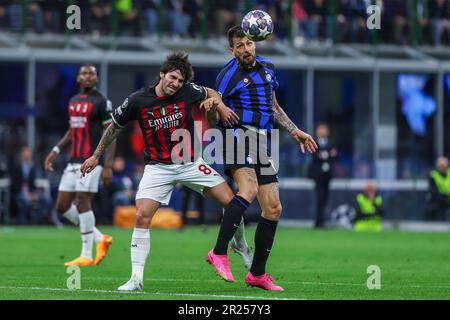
[171, 82]
[244, 50]
[87, 77]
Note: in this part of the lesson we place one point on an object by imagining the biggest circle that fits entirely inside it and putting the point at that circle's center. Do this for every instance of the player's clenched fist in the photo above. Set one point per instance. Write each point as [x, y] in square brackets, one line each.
[88, 165]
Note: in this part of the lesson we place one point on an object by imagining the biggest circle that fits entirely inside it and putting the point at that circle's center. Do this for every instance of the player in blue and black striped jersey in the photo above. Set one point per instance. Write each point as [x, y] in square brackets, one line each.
[247, 85]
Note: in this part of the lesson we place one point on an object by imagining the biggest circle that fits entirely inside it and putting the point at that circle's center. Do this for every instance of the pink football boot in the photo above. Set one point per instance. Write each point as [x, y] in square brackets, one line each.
[220, 263]
[264, 281]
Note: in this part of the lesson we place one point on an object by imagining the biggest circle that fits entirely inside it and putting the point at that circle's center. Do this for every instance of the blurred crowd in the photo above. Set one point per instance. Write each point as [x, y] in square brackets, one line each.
[33, 202]
[402, 21]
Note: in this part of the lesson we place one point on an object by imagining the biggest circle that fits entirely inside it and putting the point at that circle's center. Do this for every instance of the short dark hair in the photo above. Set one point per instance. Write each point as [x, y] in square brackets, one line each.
[235, 32]
[178, 61]
[87, 65]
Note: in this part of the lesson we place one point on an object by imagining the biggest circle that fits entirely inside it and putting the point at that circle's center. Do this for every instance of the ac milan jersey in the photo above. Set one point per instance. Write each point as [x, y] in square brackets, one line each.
[88, 113]
[159, 118]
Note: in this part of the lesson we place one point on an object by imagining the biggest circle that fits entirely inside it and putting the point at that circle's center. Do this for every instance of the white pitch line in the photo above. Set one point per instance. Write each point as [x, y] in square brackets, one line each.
[282, 282]
[147, 293]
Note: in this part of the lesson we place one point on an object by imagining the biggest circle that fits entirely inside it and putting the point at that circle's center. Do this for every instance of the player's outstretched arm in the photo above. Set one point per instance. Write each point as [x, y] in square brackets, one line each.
[65, 140]
[228, 116]
[107, 173]
[109, 135]
[304, 139]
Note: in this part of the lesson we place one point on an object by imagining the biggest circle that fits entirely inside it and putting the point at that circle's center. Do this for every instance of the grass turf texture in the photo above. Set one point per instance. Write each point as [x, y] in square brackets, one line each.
[309, 264]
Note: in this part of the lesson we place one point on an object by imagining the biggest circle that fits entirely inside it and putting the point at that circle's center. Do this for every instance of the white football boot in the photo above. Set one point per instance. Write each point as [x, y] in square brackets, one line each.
[134, 284]
[245, 252]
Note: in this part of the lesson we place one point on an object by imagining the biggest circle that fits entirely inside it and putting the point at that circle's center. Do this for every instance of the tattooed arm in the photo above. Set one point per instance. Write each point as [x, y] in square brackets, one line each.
[302, 138]
[109, 135]
[281, 116]
[110, 152]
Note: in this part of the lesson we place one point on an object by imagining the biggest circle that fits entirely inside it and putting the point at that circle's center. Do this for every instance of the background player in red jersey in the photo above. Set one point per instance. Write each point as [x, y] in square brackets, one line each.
[89, 111]
[161, 110]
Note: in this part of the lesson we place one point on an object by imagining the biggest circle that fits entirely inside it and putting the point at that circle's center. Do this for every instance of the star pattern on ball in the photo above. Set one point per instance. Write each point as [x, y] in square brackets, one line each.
[252, 20]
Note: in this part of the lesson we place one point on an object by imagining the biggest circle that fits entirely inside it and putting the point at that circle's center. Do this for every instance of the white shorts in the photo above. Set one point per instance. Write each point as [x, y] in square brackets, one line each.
[72, 181]
[158, 180]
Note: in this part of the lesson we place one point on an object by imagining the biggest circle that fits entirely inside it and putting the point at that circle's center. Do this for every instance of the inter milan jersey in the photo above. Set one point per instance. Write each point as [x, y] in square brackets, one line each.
[249, 92]
[88, 113]
[159, 117]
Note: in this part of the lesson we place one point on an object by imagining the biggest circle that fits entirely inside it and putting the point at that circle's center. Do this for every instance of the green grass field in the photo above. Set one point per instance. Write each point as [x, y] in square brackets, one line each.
[309, 264]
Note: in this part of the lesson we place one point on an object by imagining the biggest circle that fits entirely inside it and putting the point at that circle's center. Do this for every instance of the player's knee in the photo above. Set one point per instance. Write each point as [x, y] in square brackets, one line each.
[83, 202]
[227, 198]
[80, 198]
[273, 212]
[62, 207]
[249, 192]
[142, 219]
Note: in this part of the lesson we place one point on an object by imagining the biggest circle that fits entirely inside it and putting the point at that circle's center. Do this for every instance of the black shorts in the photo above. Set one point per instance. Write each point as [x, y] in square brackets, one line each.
[250, 150]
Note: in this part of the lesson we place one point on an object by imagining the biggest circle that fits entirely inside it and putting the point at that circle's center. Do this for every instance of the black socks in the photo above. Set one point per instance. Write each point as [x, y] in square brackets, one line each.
[230, 222]
[265, 233]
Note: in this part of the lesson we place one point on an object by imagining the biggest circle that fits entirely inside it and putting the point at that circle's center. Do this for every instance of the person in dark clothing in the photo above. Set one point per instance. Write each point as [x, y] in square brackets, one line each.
[317, 12]
[351, 21]
[97, 15]
[438, 196]
[4, 14]
[148, 9]
[122, 186]
[31, 202]
[193, 9]
[394, 19]
[439, 11]
[224, 14]
[54, 15]
[320, 171]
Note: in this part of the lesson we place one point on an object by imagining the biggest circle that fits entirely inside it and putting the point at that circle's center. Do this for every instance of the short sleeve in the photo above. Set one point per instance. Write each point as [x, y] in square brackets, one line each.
[195, 93]
[275, 82]
[274, 76]
[125, 112]
[105, 111]
[270, 68]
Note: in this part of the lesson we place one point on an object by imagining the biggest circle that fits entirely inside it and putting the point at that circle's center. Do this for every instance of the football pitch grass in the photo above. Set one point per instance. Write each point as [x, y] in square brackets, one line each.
[309, 264]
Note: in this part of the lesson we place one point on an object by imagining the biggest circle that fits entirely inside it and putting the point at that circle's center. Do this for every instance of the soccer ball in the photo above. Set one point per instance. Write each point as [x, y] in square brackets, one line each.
[343, 216]
[257, 25]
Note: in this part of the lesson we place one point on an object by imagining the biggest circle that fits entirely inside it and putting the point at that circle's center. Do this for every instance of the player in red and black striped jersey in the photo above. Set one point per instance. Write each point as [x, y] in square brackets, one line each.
[159, 117]
[160, 110]
[89, 113]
